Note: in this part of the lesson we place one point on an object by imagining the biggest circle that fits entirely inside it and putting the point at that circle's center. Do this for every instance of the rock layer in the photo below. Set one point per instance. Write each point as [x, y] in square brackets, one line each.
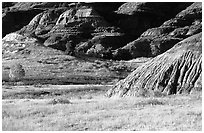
[15, 20]
[136, 17]
[65, 26]
[176, 71]
[13, 43]
[18, 14]
[155, 41]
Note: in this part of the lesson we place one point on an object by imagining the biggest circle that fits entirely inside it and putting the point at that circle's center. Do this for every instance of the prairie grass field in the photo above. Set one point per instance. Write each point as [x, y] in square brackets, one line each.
[85, 108]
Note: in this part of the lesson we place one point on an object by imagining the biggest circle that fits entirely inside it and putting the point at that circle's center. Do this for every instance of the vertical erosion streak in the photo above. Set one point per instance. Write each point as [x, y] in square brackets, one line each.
[171, 87]
[186, 81]
[186, 62]
[194, 75]
[155, 71]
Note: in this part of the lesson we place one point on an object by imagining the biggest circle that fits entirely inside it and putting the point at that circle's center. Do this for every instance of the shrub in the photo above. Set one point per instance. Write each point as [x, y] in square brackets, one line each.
[154, 102]
[60, 101]
[159, 94]
[143, 92]
[16, 72]
[7, 87]
[89, 97]
[38, 85]
[151, 102]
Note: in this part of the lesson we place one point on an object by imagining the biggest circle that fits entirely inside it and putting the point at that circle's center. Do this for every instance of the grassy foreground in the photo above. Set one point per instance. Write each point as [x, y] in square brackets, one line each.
[83, 110]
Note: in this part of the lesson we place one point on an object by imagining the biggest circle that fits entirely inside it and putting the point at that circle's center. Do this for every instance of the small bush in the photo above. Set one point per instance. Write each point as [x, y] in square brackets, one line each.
[158, 94]
[150, 102]
[144, 93]
[16, 72]
[19, 83]
[7, 87]
[154, 102]
[59, 101]
[38, 85]
[89, 97]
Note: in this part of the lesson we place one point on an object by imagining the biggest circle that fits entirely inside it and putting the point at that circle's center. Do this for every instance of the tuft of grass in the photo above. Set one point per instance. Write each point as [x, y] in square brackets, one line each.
[79, 97]
[151, 102]
[154, 102]
[144, 93]
[19, 83]
[7, 87]
[157, 93]
[60, 100]
[38, 85]
[89, 97]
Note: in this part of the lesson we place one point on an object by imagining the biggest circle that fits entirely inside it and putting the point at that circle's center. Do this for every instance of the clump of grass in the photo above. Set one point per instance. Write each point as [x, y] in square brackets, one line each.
[157, 93]
[144, 93]
[154, 102]
[59, 101]
[195, 113]
[89, 97]
[150, 102]
[7, 87]
[38, 85]
[19, 83]
[148, 93]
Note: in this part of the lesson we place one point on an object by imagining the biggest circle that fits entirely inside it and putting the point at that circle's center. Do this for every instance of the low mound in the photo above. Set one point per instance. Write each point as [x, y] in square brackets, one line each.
[176, 71]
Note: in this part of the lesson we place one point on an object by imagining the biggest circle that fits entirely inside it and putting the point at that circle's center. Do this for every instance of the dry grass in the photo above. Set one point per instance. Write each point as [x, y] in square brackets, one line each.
[53, 91]
[51, 66]
[182, 112]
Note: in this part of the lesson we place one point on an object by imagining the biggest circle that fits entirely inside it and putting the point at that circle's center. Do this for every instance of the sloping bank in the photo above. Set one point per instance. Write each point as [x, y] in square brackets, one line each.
[176, 71]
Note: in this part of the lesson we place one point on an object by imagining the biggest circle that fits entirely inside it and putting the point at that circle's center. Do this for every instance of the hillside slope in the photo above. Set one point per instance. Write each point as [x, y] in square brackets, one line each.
[174, 72]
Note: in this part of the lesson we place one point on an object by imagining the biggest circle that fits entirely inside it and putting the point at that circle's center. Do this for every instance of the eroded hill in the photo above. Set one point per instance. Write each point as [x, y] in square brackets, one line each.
[174, 72]
[63, 40]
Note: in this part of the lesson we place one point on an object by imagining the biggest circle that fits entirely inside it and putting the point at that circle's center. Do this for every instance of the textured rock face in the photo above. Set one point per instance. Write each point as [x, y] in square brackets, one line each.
[159, 8]
[102, 45]
[62, 29]
[42, 23]
[15, 20]
[119, 31]
[176, 71]
[18, 14]
[7, 4]
[77, 25]
[13, 43]
[136, 17]
[155, 41]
